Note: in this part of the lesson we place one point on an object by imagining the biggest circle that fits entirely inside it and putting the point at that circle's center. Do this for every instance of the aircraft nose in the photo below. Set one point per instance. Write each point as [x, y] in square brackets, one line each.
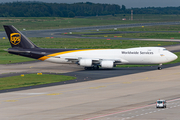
[173, 56]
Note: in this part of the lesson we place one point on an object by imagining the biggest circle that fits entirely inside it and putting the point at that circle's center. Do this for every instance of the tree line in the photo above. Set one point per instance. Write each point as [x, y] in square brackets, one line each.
[41, 9]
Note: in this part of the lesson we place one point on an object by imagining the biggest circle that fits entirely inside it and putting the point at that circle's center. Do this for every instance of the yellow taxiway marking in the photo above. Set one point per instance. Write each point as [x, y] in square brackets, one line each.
[75, 90]
[176, 73]
[11, 100]
[142, 79]
[54, 94]
[29, 97]
[97, 87]
[127, 82]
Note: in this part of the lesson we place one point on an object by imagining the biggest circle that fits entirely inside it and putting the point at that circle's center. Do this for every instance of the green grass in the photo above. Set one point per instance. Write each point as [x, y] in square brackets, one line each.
[148, 28]
[6, 58]
[57, 23]
[159, 35]
[147, 17]
[155, 35]
[31, 80]
[94, 43]
[36, 23]
[87, 43]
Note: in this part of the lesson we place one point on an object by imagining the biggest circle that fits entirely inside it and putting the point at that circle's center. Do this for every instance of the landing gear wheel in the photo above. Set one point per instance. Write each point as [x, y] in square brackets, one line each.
[96, 67]
[159, 68]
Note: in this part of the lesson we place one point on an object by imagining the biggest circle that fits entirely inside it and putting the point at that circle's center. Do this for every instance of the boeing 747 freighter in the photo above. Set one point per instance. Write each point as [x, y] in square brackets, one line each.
[88, 58]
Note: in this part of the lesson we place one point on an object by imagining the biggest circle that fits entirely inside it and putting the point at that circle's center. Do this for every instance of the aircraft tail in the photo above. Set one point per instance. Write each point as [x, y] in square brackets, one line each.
[17, 39]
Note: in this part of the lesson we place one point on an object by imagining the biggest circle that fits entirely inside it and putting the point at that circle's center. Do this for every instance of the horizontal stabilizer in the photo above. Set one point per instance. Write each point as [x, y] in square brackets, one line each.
[16, 51]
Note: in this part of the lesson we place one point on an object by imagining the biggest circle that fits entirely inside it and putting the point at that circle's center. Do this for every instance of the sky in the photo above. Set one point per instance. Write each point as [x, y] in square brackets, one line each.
[127, 3]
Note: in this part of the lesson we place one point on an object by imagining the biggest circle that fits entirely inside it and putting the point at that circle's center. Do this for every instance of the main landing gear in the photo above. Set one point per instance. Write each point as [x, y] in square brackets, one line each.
[92, 68]
[159, 67]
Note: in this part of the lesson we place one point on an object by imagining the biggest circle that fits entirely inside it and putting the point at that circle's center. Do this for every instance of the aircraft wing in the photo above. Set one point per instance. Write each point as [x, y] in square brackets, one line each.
[71, 59]
[75, 58]
[94, 60]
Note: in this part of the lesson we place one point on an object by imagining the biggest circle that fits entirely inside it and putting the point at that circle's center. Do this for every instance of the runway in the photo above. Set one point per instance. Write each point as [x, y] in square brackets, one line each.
[124, 89]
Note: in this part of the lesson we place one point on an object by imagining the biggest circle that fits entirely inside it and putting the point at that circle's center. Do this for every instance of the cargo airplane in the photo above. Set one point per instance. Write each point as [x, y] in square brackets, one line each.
[88, 58]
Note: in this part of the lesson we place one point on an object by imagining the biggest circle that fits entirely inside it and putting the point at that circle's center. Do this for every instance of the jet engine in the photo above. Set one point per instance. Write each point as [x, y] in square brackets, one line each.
[85, 62]
[107, 64]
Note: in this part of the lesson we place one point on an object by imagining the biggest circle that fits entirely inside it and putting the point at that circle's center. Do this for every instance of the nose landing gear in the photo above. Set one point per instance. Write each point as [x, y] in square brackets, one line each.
[159, 67]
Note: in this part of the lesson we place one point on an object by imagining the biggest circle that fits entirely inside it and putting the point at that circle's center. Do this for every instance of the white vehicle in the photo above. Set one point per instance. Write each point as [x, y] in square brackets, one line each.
[88, 58]
[161, 104]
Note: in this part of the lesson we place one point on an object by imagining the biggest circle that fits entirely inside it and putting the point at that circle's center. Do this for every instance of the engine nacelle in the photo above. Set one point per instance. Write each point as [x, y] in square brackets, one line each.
[107, 64]
[85, 62]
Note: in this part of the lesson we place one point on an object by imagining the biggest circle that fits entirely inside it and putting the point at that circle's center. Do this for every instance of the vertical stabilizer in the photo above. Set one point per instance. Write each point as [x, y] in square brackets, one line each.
[17, 39]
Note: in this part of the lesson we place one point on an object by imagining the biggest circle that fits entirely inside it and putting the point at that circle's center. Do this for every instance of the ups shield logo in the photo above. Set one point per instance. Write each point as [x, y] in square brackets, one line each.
[15, 38]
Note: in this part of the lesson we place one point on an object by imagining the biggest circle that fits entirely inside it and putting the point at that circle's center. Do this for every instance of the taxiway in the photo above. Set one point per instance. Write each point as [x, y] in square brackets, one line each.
[99, 93]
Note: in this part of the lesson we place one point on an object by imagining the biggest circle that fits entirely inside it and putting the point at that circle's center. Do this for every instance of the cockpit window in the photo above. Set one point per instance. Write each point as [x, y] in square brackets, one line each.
[164, 49]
